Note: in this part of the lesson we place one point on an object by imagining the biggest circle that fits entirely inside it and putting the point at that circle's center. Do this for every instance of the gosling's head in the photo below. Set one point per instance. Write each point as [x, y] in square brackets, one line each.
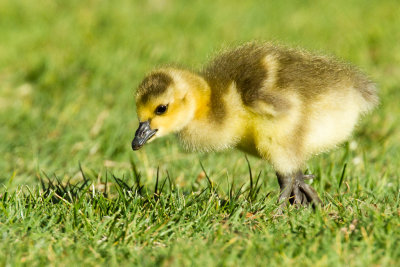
[164, 104]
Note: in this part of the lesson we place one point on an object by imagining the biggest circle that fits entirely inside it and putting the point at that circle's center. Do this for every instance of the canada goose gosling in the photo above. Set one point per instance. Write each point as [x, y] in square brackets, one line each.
[282, 105]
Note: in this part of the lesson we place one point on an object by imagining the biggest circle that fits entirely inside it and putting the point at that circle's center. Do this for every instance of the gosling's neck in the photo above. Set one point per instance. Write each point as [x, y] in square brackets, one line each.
[205, 132]
[201, 93]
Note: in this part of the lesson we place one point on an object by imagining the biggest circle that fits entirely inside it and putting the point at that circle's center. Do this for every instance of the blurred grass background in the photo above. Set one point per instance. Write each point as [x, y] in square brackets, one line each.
[69, 70]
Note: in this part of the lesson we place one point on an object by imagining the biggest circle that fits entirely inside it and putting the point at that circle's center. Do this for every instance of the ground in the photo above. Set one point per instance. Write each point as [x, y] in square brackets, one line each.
[68, 72]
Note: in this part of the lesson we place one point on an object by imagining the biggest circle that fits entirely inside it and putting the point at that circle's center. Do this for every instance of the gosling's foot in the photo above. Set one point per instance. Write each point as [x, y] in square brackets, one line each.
[294, 189]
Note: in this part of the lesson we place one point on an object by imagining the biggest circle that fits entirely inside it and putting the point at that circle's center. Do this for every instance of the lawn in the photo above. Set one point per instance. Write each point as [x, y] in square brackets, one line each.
[72, 192]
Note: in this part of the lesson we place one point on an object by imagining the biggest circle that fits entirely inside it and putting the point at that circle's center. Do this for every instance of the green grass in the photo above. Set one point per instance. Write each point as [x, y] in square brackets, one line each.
[68, 71]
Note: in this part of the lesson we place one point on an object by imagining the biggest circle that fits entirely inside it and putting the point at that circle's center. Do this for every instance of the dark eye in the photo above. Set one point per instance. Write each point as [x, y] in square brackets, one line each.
[161, 109]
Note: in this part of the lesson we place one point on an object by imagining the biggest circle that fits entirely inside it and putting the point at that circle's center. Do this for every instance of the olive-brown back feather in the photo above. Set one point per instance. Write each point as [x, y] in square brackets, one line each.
[304, 73]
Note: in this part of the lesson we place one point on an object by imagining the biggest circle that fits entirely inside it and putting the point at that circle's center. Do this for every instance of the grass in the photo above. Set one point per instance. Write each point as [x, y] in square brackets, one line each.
[73, 193]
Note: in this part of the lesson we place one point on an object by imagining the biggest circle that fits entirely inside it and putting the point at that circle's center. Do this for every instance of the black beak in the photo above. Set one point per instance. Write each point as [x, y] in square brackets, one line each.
[143, 133]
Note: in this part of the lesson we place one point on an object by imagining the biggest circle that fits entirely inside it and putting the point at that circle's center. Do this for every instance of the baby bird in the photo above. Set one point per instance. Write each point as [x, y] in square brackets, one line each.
[279, 104]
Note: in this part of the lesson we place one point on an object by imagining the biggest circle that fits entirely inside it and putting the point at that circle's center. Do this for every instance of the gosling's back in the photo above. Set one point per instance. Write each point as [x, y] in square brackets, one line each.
[260, 71]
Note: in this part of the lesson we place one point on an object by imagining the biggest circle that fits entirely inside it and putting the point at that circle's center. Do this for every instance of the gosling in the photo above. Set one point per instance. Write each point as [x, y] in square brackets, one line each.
[279, 104]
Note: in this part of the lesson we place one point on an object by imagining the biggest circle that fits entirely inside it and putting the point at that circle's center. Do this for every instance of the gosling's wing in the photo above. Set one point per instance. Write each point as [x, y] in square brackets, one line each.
[248, 69]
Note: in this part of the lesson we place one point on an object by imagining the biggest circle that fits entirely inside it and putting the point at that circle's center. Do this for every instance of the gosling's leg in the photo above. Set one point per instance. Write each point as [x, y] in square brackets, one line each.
[294, 189]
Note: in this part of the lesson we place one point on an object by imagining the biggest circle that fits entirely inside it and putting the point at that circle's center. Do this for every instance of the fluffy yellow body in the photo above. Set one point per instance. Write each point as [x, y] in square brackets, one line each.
[282, 121]
[324, 123]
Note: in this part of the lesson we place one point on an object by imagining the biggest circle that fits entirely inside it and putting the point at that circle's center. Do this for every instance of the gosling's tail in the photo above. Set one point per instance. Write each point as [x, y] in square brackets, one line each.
[369, 94]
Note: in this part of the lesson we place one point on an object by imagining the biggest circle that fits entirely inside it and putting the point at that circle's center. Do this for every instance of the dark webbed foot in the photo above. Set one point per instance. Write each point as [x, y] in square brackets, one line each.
[294, 189]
